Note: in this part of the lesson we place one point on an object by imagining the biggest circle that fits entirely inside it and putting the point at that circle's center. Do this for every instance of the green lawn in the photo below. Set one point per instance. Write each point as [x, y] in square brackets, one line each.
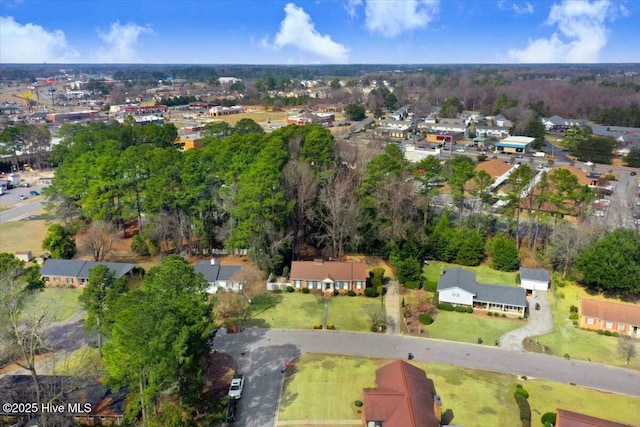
[287, 311]
[323, 387]
[466, 327]
[85, 361]
[350, 313]
[484, 273]
[59, 303]
[579, 344]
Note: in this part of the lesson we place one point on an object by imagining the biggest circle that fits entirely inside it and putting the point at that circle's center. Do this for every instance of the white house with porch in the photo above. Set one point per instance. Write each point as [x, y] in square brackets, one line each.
[220, 277]
[533, 280]
[459, 287]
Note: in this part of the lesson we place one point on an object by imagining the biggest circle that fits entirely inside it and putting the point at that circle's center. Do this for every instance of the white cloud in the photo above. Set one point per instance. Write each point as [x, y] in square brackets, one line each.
[390, 18]
[31, 43]
[351, 7]
[581, 33]
[120, 43]
[297, 29]
[525, 8]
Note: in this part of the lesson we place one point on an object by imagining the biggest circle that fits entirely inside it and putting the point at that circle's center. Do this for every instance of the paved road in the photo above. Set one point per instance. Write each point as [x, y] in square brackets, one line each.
[540, 322]
[21, 210]
[261, 353]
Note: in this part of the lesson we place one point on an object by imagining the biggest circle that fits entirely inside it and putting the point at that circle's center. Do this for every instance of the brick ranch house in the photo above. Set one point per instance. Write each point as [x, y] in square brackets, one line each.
[610, 316]
[459, 287]
[326, 276]
[70, 272]
[404, 397]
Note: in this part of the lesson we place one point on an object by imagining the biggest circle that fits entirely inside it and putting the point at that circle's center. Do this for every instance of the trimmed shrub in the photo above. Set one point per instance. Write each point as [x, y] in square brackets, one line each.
[521, 395]
[336, 292]
[351, 293]
[445, 306]
[608, 333]
[573, 309]
[430, 286]
[548, 418]
[460, 309]
[469, 309]
[412, 284]
[374, 328]
[305, 290]
[331, 327]
[600, 332]
[567, 356]
[504, 315]
[490, 313]
[426, 319]
[359, 404]
[574, 316]
[290, 289]
[371, 292]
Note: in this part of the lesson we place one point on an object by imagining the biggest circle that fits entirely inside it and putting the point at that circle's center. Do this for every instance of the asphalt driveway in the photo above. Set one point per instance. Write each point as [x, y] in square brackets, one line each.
[540, 322]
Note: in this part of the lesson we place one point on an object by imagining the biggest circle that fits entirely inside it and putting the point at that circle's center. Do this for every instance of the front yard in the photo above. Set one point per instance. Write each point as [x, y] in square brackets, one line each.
[58, 303]
[484, 273]
[297, 310]
[466, 327]
[323, 387]
[567, 339]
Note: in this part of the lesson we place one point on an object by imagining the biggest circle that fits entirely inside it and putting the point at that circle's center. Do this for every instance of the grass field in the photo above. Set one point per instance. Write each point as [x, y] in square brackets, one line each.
[59, 303]
[579, 344]
[21, 236]
[85, 361]
[287, 310]
[484, 273]
[322, 387]
[465, 327]
[350, 313]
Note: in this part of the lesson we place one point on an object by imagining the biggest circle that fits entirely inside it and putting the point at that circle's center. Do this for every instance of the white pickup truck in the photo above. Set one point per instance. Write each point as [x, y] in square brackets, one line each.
[237, 385]
[539, 154]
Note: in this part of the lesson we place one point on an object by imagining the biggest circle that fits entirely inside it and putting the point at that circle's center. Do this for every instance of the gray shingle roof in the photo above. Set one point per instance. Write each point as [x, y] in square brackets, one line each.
[536, 274]
[216, 272]
[457, 277]
[80, 269]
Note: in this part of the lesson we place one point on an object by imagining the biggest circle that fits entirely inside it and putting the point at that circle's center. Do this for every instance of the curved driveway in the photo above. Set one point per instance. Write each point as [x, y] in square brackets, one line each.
[261, 353]
[540, 323]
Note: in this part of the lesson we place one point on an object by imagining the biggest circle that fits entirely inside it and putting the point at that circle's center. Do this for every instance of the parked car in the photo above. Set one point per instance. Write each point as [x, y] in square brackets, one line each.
[24, 184]
[460, 150]
[237, 385]
[23, 197]
[34, 193]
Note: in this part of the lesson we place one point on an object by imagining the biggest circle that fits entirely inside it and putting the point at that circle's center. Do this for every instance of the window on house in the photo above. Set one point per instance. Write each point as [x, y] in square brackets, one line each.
[69, 280]
[455, 294]
[621, 326]
[297, 283]
[590, 320]
[608, 325]
[56, 279]
[358, 285]
[45, 278]
[345, 285]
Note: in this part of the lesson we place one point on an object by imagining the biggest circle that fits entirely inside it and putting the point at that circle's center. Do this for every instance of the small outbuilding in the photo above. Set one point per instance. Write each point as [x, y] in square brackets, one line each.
[534, 279]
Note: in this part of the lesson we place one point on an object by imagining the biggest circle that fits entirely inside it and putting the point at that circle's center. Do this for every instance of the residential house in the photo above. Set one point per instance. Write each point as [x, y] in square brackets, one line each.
[400, 129]
[610, 316]
[534, 279]
[220, 277]
[86, 401]
[404, 397]
[459, 287]
[559, 124]
[71, 272]
[498, 170]
[306, 118]
[567, 418]
[328, 276]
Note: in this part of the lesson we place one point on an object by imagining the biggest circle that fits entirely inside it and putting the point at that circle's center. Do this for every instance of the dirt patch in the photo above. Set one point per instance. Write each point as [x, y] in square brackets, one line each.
[372, 262]
[218, 370]
[535, 347]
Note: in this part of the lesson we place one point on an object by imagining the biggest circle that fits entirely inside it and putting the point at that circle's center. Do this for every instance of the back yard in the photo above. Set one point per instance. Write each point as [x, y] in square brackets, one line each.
[484, 273]
[322, 387]
[567, 339]
[21, 236]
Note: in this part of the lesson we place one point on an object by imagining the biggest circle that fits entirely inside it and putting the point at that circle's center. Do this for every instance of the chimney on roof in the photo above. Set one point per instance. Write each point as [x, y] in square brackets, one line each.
[213, 261]
[318, 261]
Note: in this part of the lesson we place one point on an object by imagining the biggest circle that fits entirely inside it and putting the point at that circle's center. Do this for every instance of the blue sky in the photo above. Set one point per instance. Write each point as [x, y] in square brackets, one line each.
[319, 31]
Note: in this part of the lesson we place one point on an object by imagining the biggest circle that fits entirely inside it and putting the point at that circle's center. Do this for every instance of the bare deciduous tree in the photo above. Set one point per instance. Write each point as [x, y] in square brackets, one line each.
[339, 212]
[302, 186]
[627, 349]
[99, 239]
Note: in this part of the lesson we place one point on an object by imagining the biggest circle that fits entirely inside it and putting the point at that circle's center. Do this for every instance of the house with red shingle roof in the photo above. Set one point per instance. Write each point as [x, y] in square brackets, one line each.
[610, 316]
[404, 397]
[574, 419]
[327, 276]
